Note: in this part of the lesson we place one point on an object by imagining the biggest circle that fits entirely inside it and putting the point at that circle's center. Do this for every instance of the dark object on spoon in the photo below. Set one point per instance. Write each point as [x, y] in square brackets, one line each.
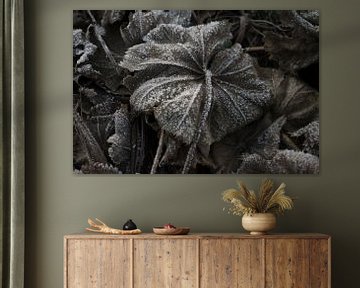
[129, 225]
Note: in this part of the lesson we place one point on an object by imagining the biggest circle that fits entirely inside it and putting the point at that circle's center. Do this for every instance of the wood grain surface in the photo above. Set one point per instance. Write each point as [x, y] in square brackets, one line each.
[287, 263]
[230, 263]
[98, 263]
[197, 260]
[319, 263]
[89, 235]
[165, 263]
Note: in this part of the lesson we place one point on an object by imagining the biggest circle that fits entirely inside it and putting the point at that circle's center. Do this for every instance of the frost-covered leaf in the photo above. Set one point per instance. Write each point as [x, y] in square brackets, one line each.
[171, 154]
[105, 61]
[267, 144]
[88, 141]
[87, 70]
[311, 134]
[97, 107]
[225, 153]
[210, 89]
[140, 23]
[120, 148]
[284, 162]
[236, 19]
[105, 45]
[80, 154]
[293, 98]
[301, 48]
[210, 75]
[90, 93]
[82, 47]
[98, 168]
[265, 156]
[104, 49]
[102, 102]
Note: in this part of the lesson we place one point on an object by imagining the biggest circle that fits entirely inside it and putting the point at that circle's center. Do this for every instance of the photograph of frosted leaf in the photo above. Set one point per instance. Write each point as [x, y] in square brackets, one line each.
[196, 92]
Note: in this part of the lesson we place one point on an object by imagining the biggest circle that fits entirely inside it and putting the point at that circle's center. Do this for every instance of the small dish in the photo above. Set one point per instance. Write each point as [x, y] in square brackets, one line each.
[171, 231]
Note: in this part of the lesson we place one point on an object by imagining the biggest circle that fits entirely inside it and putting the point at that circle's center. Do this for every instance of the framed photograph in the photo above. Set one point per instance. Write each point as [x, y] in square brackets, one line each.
[196, 91]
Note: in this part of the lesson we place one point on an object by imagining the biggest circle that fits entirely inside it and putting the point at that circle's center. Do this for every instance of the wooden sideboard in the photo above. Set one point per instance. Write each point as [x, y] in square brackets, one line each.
[197, 260]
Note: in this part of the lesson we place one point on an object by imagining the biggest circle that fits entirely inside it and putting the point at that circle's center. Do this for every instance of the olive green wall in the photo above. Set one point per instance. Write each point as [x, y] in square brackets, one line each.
[59, 202]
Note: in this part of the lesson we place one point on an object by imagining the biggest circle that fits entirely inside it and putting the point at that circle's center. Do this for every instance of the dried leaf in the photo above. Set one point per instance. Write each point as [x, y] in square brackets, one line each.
[229, 194]
[279, 202]
[265, 192]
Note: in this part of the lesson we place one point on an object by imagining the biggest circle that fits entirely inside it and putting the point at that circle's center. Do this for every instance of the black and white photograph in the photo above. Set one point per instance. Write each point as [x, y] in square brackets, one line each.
[196, 92]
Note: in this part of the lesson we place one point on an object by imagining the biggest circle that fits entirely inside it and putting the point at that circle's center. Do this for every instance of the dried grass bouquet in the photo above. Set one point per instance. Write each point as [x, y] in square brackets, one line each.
[246, 202]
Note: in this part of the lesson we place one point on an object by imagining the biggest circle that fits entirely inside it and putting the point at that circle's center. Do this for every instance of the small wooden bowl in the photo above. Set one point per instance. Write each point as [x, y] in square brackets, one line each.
[171, 231]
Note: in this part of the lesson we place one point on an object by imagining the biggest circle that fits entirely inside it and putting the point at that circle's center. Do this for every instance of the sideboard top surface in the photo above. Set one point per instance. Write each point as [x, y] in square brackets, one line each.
[86, 235]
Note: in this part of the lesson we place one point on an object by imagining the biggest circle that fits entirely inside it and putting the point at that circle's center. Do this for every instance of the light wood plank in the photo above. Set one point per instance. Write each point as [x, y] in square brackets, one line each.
[319, 263]
[89, 235]
[231, 263]
[287, 263]
[98, 264]
[164, 263]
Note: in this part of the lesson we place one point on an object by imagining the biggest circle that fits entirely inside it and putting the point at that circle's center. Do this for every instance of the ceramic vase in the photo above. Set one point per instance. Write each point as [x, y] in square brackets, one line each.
[259, 223]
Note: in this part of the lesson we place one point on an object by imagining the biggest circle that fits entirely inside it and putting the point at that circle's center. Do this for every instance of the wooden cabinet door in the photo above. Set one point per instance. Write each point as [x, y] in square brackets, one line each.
[297, 263]
[287, 263]
[98, 263]
[231, 263]
[165, 263]
[320, 263]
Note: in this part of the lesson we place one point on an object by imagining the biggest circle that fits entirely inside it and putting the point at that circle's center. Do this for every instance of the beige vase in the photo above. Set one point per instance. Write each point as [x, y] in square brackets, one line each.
[259, 223]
